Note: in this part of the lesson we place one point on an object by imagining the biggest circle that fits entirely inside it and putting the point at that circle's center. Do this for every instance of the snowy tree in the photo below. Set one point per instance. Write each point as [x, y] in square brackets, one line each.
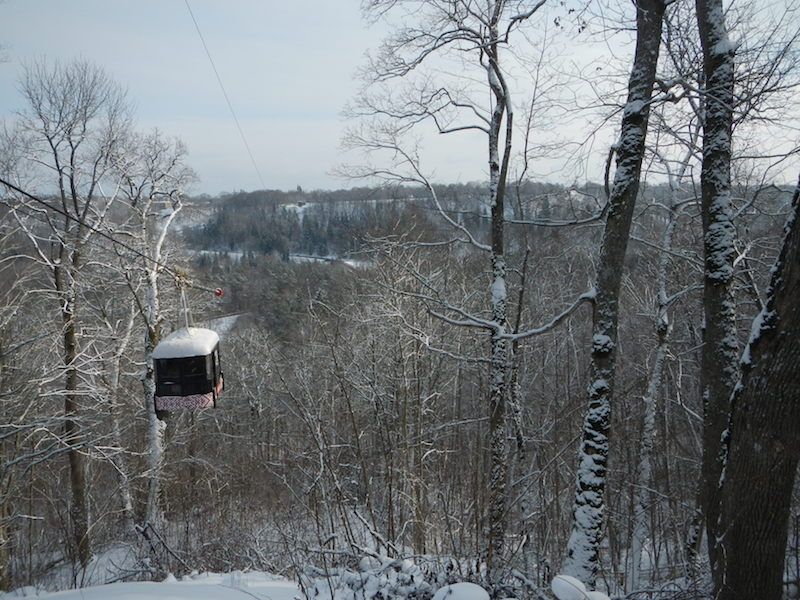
[154, 179]
[478, 33]
[74, 122]
[583, 548]
[760, 464]
[719, 368]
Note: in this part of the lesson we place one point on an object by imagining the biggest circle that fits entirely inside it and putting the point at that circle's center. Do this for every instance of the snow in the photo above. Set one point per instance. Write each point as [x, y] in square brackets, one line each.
[234, 255]
[378, 578]
[461, 591]
[597, 387]
[602, 343]
[633, 107]
[569, 588]
[498, 290]
[206, 586]
[191, 341]
[331, 258]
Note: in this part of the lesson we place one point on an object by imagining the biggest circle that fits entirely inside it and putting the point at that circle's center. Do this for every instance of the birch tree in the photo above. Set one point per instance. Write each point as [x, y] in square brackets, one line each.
[154, 179]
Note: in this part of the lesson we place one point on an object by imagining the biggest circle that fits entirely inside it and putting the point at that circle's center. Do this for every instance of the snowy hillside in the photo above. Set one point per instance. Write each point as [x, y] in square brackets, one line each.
[205, 586]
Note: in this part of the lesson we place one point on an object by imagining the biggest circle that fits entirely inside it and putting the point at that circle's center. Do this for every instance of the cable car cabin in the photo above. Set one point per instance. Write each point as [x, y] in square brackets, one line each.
[188, 372]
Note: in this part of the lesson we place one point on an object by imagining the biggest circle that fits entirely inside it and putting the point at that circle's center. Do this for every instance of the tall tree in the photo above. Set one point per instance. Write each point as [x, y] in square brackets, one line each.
[720, 353]
[74, 122]
[154, 180]
[761, 464]
[583, 548]
[456, 105]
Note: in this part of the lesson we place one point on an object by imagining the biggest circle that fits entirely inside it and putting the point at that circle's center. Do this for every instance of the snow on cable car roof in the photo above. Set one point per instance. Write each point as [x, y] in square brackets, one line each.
[185, 342]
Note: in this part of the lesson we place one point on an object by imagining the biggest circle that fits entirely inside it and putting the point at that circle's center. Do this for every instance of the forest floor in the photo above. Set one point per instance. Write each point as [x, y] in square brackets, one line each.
[205, 586]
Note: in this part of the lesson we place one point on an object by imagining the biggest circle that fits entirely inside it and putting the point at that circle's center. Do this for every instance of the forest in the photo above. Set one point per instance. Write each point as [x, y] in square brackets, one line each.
[509, 382]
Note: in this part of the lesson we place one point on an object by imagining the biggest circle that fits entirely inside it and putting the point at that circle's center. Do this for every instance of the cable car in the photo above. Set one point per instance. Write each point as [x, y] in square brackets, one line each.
[188, 371]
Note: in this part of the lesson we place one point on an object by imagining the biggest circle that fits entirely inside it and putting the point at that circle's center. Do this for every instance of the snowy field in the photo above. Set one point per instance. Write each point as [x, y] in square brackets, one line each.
[207, 586]
[263, 586]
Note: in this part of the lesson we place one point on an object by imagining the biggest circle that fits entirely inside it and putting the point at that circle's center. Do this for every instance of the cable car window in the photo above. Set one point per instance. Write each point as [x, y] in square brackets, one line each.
[194, 379]
[183, 376]
[168, 378]
[169, 369]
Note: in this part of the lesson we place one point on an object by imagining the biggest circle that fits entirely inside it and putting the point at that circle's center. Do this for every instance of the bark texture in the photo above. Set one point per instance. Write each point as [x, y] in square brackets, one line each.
[587, 524]
[760, 469]
[498, 446]
[79, 501]
[720, 354]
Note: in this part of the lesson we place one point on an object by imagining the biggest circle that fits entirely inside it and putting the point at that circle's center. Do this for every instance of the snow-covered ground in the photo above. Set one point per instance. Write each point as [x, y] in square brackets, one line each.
[234, 255]
[350, 262]
[206, 586]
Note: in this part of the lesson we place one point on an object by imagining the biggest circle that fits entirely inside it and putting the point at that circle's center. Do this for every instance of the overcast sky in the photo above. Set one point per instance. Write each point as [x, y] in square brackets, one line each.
[288, 68]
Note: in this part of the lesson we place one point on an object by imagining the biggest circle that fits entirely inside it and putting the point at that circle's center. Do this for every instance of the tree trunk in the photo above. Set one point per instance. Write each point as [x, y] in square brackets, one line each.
[498, 370]
[760, 468]
[123, 477]
[643, 494]
[720, 354]
[587, 525]
[79, 501]
[155, 426]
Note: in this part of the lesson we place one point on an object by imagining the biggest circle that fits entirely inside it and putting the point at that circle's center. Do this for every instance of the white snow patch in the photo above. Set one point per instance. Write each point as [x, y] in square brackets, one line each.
[568, 588]
[602, 343]
[498, 290]
[206, 586]
[633, 106]
[185, 342]
[234, 255]
[461, 591]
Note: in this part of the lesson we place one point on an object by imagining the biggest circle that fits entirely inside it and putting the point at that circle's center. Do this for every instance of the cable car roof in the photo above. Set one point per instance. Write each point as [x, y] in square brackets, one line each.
[186, 342]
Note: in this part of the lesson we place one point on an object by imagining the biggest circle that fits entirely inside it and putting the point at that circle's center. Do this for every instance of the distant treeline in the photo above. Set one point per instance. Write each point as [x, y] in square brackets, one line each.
[337, 222]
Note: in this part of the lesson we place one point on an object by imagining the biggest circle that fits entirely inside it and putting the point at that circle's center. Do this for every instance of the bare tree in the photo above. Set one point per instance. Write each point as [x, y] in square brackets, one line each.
[75, 119]
[760, 465]
[154, 179]
[478, 32]
[587, 529]
[719, 367]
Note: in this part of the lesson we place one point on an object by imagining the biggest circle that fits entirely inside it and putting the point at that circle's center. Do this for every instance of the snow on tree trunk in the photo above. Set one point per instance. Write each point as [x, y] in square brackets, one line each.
[501, 121]
[720, 355]
[760, 467]
[642, 496]
[73, 436]
[155, 426]
[152, 317]
[583, 547]
[499, 344]
[123, 477]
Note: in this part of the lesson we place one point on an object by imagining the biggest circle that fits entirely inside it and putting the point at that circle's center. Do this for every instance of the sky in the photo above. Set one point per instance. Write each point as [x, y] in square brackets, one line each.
[288, 68]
